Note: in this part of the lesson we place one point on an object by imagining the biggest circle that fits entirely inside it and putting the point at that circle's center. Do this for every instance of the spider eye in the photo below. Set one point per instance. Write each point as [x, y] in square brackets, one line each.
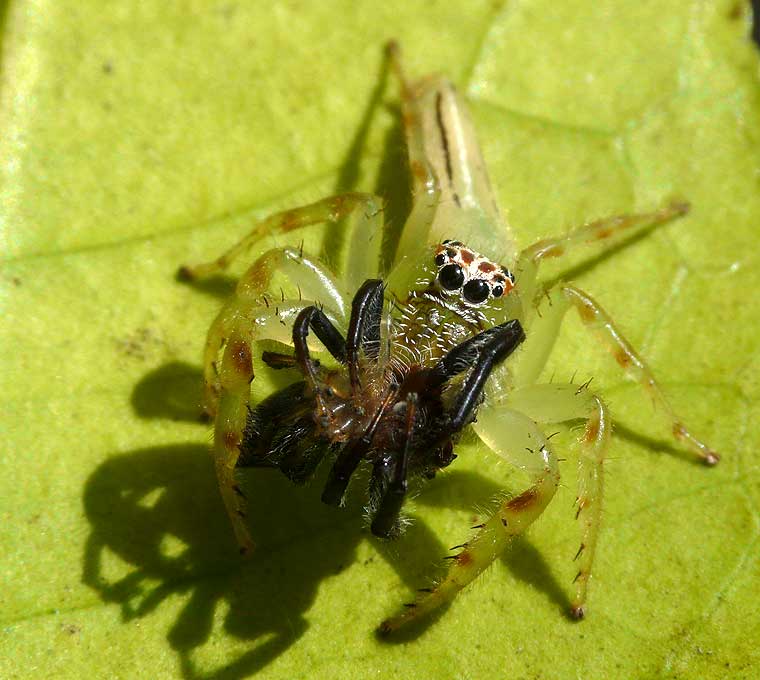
[440, 260]
[498, 291]
[476, 291]
[451, 277]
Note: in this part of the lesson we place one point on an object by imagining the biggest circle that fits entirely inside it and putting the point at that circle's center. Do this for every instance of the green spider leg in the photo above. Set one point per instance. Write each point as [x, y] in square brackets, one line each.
[516, 438]
[558, 403]
[267, 313]
[515, 420]
[544, 325]
[305, 273]
[596, 319]
[606, 232]
[243, 324]
[255, 313]
[363, 243]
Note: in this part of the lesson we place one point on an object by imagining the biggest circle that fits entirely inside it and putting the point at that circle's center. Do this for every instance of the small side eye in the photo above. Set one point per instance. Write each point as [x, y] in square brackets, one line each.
[476, 291]
[497, 291]
[508, 274]
[440, 260]
[451, 277]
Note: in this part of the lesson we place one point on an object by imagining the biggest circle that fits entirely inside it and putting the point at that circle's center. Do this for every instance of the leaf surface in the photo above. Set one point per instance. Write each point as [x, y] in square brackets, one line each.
[139, 136]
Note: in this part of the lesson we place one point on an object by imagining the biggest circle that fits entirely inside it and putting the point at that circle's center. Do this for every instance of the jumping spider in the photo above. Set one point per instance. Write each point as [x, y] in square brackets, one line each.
[420, 350]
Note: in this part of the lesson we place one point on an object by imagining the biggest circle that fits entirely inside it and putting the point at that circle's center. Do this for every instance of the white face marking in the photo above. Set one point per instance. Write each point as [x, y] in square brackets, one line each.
[470, 275]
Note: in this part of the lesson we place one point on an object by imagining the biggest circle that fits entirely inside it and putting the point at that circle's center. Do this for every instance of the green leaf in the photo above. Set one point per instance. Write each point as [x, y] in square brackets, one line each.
[138, 136]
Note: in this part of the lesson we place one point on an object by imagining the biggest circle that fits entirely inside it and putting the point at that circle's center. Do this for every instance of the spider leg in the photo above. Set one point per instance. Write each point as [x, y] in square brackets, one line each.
[393, 497]
[331, 339]
[349, 458]
[278, 360]
[314, 318]
[450, 185]
[248, 323]
[246, 317]
[528, 365]
[466, 353]
[479, 353]
[363, 333]
[595, 318]
[366, 247]
[235, 375]
[608, 230]
[364, 327]
[556, 403]
[499, 342]
[250, 300]
[529, 450]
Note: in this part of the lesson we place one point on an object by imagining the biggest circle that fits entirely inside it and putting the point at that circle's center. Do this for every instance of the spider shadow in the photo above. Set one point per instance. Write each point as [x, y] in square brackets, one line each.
[392, 182]
[219, 286]
[655, 446]
[158, 511]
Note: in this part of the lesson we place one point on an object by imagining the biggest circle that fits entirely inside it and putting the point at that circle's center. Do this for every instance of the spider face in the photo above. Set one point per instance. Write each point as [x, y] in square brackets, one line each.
[470, 276]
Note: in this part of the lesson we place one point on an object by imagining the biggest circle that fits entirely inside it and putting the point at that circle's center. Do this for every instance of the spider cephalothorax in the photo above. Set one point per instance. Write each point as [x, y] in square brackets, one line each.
[418, 348]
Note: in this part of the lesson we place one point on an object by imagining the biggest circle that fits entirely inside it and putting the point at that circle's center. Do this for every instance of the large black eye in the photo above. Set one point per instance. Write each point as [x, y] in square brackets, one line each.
[451, 277]
[476, 291]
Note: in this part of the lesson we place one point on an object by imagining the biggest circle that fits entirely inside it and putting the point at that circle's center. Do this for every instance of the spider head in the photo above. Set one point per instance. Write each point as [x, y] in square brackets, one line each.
[469, 276]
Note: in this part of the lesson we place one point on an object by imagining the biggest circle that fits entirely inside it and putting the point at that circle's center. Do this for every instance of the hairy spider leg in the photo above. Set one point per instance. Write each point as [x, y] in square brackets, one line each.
[249, 316]
[528, 450]
[249, 323]
[607, 232]
[595, 318]
[235, 376]
[393, 497]
[364, 327]
[499, 343]
[364, 245]
[544, 329]
[557, 403]
[267, 315]
[330, 338]
[363, 334]
[349, 458]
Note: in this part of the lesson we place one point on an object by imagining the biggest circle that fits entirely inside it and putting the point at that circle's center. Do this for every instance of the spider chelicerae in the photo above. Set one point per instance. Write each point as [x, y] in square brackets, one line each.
[418, 352]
